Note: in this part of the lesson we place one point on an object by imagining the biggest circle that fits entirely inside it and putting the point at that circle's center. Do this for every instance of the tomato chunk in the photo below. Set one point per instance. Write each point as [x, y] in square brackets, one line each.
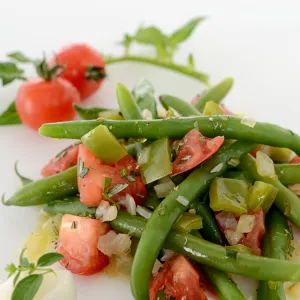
[62, 161]
[295, 160]
[78, 240]
[179, 279]
[193, 150]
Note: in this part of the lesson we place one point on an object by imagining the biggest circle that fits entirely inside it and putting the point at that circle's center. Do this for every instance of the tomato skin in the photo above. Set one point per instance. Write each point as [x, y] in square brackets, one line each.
[91, 186]
[77, 57]
[179, 279]
[78, 244]
[295, 160]
[198, 148]
[39, 101]
[195, 99]
[59, 164]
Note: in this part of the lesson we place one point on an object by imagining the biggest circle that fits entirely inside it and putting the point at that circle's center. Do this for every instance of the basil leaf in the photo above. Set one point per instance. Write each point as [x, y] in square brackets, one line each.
[10, 72]
[88, 113]
[160, 295]
[16, 278]
[27, 287]
[117, 189]
[23, 179]
[11, 269]
[20, 57]
[10, 115]
[184, 32]
[49, 259]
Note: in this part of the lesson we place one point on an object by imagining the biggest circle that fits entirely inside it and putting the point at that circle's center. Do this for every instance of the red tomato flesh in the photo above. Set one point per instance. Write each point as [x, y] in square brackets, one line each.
[39, 101]
[295, 160]
[62, 161]
[195, 148]
[77, 58]
[179, 279]
[78, 240]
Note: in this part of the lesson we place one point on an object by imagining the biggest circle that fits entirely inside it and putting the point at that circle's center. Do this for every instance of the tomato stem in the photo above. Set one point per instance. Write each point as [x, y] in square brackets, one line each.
[167, 65]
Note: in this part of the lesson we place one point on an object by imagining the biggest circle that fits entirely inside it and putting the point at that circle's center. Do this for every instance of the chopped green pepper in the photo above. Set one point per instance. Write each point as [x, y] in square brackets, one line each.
[155, 160]
[112, 114]
[188, 222]
[241, 175]
[212, 108]
[261, 195]
[228, 195]
[280, 154]
[240, 248]
[104, 145]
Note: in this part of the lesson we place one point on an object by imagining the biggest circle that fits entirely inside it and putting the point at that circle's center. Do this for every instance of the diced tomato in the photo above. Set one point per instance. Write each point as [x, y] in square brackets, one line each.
[295, 160]
[62, 161]
[254, 238]
[193, 150]
[78, 240]
[91, 185]
[253, 152]
[179, 279]
[195, 99]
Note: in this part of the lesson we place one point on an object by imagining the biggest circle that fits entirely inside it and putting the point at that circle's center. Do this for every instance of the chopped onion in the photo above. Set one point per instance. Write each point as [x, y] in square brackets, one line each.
[234, 162]
[144, 212]
[245, 224]
[156, 267]
[266, 149]
[217, 168]
[293, 290]
[226, 220]
[265, 165]
[147, 114]
[162, 113]
[192, 211]
[162, 190]
[112, 243]
[248, 121]
[295, 188]
[106, 212]
[233, 237]
[182, 200]
[129, 203]
[167, 254]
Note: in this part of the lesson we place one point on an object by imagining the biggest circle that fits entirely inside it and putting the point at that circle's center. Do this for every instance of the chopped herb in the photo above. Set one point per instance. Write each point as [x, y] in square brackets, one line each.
[291, 251]
[123, 172]
[107, 183]
[117, 189]
[140, 195]
[231, 254]
[82, 171]
[290, 232]
[54, 228]
[60, 155]
[127, 176]
[135, 173]
[234, 162]
[73, 225]
[186, 157]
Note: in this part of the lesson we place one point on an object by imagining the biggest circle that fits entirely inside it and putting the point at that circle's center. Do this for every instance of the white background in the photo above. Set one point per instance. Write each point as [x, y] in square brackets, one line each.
[256, 42]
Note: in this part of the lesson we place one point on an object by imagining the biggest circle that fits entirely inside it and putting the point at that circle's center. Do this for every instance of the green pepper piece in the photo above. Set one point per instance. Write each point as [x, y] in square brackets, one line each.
[228, 195]
[240, 248]
[188, 222]
[261, 195]
[241, 175]
[212, 108]
[155, 160]
[280, 154]
[112, 114]
[104, 145]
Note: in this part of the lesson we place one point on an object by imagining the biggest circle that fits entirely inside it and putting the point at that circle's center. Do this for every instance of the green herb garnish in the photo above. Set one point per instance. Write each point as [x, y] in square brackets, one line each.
[128, 177]
[231, 254]
[82, 171]
[291, 251]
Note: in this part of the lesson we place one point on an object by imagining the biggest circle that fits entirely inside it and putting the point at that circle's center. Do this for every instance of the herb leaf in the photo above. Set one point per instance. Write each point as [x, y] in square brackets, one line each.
[10, 72]
[49, 259]
[107, 183]
[27, 287]
[10, 115]
[231, 254]
[82, 171]
[126, 42]
[20, 57]
[191, 63]
[117, 189]
[11, 269]
[184, 32]
[88, 113]
[23, 179]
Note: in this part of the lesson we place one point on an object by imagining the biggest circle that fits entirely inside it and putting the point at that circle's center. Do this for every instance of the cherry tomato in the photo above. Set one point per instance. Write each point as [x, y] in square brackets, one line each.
[42, 101]
[254, 238]
[193, 150]
[77, 58]
[62, 161]
[91, 185]
[195, 99]
[295, 160]
[78, 240]
[179, 279]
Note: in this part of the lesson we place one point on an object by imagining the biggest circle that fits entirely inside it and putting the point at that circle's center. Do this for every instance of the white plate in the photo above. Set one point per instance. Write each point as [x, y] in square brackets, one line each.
[256, 43]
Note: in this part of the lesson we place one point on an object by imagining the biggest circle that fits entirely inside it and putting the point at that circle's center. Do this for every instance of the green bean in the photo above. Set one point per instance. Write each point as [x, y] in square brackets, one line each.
[47, 189]
[164, 216]
[228, 126]
[241, 175]
[276, 244]
[152, 201]
[127, 103]
[207, 253]
[182, 107]
[286, 201]
[131, 150]
[288, 173]
[89, 113]
[216, 93]
[71, 206]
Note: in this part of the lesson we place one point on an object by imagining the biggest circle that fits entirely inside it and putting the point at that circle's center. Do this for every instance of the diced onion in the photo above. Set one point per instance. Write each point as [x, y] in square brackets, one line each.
[144, 212]
[182, 200]
[129, 203]
[234, 162]
[295, 188]
[266, 149]
[217, 168]
[112, 243]
[156, 267]
[167, 254]
[248, 121]
[226, 220]
[162, 190]
[192, 211]
[265, 165]
[162, 113]
[233, 237]
[245, 223]
[147, 114]
[294, 290]
[106, 212]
